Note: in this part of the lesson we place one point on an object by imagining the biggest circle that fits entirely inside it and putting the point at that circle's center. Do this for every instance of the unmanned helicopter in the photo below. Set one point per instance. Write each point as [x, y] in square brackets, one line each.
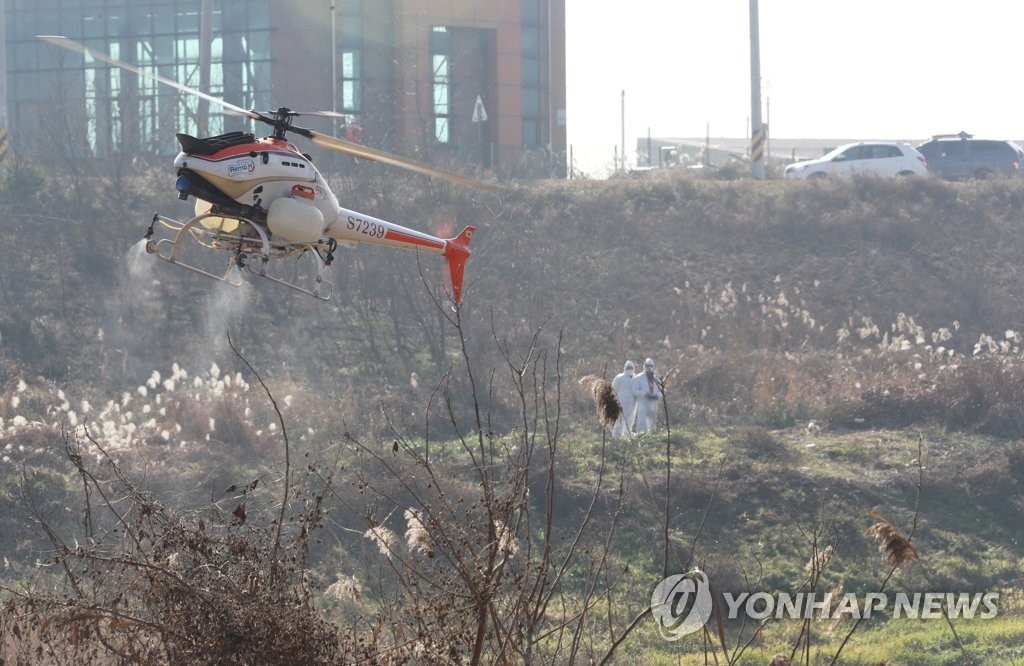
[262, 199]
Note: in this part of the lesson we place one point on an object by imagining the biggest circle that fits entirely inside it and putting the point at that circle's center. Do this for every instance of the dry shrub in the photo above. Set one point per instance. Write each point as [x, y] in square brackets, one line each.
[882, 405]
[990, 481]
[977, 395]
[985, 395]
[759, 444]
[773, 388]
[153, 585]
[1015, 461]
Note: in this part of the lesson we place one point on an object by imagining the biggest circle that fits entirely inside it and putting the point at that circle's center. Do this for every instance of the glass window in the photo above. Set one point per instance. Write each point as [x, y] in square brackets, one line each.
[530, 133]
[26, 58]
[117, 23]
[93, 26]
[441, 100]
[441, 130]
[22, 23]
[881, 152]
[27, 84]
[854, 153]
[349, 99]
[188, 22]
[440, 40]
[530, 11]
[161, 36]
[163, 49]
[348, 64]
[441, 94]
[531, 103]
[351, 30]
[138, 20]
[440, 68]
[162, 20]
[990, 148]
[258, 15]
[350, 84]
[48, 23]
[530, 41]
[70, 23]
[531, 72]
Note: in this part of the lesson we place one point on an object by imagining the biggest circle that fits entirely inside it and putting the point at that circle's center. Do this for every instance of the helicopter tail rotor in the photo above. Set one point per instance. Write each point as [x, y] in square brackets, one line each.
[456, 251]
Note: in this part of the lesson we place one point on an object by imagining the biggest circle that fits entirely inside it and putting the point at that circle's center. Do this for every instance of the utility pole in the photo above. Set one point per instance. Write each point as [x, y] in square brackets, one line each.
[756, 129]
[623, 138]
[4, 145]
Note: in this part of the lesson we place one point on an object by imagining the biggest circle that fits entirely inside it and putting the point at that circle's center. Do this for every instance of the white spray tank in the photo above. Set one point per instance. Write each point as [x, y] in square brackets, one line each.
[294, 218]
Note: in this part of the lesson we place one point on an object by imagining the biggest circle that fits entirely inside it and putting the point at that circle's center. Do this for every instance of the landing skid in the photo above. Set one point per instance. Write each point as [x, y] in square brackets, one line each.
[250, 246]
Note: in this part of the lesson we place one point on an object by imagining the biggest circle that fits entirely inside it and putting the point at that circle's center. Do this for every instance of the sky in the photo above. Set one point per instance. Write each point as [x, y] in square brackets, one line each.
[830, 69]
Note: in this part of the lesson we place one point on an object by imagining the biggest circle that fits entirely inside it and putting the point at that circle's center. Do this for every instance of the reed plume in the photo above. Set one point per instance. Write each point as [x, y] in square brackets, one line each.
[608, 407]
[898, 550]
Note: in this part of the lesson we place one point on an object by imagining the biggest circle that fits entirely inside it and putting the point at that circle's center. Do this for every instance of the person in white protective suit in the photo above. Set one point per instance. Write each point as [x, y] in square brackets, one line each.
[647, 393]
[622, 385]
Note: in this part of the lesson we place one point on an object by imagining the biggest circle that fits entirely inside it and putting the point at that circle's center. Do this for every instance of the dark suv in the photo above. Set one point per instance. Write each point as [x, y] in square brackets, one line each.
[958, 156]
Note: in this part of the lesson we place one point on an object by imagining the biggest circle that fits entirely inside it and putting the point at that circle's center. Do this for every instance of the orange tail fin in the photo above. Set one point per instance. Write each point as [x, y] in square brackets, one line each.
[456, 251]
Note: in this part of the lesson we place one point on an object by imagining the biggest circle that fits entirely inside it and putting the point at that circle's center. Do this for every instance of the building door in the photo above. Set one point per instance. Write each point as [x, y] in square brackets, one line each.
[470, 77]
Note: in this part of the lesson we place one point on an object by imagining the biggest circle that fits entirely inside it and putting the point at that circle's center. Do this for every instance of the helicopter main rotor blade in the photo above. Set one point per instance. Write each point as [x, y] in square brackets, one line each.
[325, 140]
[72, 45]
[322, 114]
[365, 152]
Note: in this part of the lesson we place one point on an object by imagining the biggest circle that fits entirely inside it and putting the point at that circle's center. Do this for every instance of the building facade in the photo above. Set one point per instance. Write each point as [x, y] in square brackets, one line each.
[452, 82]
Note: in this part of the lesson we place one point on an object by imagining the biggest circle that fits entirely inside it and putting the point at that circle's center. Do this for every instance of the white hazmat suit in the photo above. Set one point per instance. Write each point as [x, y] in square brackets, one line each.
[622, 385]
[647, 393]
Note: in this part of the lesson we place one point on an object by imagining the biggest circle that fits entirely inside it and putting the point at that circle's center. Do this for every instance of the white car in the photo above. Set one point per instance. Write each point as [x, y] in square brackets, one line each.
[878, 158]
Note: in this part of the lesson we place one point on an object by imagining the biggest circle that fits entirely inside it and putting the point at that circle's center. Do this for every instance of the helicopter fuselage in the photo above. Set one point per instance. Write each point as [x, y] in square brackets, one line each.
[245, 180]
[270, 184]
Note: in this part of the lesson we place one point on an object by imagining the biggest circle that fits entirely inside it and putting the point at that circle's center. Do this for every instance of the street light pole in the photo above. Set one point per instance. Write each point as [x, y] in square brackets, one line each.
[334, 71]
[205, 58]
[3, 89]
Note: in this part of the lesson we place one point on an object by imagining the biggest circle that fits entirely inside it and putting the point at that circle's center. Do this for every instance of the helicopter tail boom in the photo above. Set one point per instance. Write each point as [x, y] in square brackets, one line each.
[351, 228]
